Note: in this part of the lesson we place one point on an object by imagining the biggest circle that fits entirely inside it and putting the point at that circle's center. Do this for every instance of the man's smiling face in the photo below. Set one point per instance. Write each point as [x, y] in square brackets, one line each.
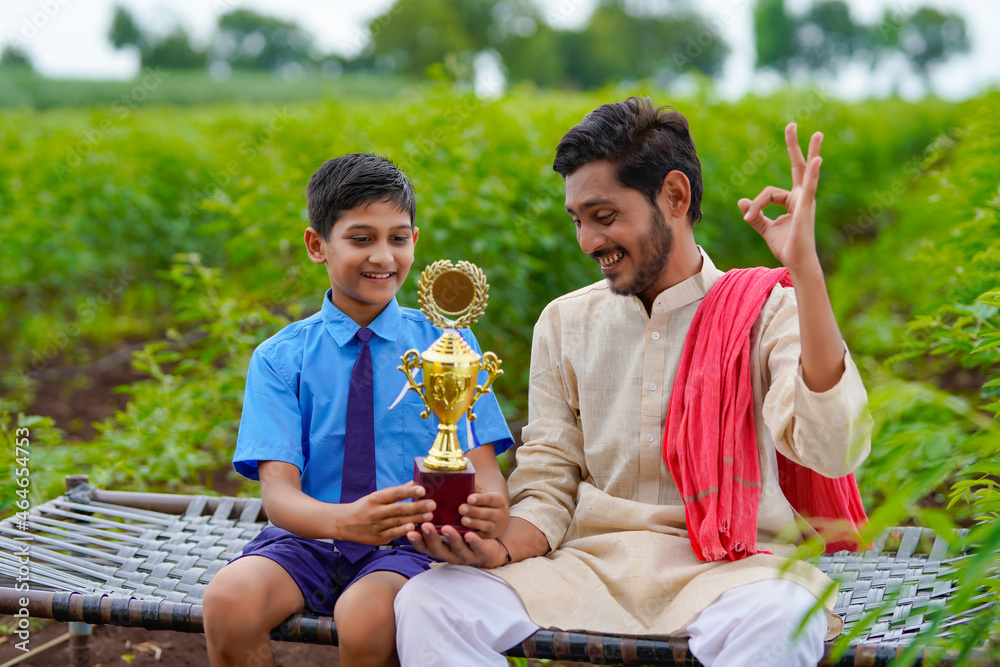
[617, 226]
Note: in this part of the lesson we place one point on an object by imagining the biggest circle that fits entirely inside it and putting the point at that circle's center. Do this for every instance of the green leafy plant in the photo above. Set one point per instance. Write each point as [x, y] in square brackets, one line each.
[935, 386]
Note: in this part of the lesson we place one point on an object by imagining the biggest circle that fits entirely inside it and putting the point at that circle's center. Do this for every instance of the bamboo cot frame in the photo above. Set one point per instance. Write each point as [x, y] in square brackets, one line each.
[144, 559]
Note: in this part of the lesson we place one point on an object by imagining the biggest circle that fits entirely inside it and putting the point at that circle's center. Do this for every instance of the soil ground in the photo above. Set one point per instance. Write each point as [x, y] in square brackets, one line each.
[77, 396]
[111, 646]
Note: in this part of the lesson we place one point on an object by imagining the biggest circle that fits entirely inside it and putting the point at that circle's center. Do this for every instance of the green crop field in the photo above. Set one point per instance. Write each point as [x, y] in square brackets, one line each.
[21, 88]
[174, 233]
[181, 227]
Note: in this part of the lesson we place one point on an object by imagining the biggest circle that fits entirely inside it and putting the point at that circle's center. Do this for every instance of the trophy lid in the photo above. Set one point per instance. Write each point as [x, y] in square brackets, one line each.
[451, 349]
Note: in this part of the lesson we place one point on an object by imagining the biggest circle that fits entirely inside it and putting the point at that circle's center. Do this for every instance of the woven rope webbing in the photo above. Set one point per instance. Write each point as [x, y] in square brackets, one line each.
[107, 563]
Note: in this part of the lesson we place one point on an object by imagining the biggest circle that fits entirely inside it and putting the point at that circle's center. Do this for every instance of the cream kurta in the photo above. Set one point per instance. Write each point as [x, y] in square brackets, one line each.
[591, 475]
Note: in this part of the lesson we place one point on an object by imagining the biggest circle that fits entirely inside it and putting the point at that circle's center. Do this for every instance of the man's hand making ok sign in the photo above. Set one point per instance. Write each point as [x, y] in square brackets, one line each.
[792, 235]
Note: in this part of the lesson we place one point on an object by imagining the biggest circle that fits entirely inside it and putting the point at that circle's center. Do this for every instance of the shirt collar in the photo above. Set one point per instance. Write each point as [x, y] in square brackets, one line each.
[690, 290]
[343, 329]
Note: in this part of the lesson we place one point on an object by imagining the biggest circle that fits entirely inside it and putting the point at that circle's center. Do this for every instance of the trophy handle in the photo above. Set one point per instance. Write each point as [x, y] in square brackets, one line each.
[491, 364]
[411, 361]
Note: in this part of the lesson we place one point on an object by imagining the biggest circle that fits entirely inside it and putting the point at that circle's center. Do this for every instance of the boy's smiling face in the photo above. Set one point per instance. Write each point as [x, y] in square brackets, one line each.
[368, 256]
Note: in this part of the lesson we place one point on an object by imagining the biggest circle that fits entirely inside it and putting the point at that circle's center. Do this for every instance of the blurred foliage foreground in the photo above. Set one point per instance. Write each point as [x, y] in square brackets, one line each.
[177, 233]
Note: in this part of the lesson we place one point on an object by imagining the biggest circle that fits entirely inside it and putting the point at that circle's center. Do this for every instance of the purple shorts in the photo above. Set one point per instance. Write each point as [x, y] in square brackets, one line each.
[323, 573]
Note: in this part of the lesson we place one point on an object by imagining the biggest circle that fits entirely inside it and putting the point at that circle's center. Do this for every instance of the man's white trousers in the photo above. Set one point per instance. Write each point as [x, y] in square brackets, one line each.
[463, 616]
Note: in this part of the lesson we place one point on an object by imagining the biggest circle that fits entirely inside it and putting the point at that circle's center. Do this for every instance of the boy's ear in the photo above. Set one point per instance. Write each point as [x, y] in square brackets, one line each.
[315, 246]
[416, 233]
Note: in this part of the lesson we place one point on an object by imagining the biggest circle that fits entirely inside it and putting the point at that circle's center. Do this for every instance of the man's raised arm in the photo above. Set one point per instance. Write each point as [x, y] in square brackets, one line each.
[792, 239]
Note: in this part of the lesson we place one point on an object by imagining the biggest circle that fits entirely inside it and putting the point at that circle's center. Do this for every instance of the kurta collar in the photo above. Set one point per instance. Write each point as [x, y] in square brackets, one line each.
[343, 329]
[688, 291]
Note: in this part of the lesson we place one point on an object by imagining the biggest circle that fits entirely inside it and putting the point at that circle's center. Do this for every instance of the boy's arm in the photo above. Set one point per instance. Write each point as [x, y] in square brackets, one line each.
[378, 518]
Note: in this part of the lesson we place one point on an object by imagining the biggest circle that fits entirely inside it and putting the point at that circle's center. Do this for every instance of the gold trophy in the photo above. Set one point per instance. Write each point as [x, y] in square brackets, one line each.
[449, 389]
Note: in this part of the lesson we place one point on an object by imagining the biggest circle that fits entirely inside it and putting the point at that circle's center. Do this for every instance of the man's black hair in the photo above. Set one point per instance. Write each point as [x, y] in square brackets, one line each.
[357, 179]
[643, 142]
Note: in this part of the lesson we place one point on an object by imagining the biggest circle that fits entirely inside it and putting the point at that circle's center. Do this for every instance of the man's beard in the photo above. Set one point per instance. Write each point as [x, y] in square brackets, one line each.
[659, 242]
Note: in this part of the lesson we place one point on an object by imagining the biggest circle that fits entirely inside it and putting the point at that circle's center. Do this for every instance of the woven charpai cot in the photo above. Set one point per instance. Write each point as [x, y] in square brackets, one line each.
[105, 557]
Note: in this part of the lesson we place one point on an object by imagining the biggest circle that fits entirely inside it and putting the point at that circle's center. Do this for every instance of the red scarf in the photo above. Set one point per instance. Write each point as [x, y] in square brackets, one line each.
[710, 444]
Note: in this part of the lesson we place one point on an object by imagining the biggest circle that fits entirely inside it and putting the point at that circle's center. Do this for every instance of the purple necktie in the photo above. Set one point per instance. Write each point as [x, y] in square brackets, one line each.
[358, 477]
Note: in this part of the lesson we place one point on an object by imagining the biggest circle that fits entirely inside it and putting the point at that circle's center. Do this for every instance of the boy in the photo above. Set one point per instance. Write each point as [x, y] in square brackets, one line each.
[330, 431]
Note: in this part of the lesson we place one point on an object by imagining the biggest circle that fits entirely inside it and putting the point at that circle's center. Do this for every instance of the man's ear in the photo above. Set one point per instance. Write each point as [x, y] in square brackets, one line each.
[315, 246]
[675, 194]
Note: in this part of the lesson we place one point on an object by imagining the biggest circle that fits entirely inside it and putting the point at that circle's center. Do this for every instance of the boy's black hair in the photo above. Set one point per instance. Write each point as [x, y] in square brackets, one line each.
[357, 179]
[643, 143]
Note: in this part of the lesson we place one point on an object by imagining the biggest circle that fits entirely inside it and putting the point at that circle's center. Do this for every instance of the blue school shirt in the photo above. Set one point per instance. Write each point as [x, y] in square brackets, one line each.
[295, 404]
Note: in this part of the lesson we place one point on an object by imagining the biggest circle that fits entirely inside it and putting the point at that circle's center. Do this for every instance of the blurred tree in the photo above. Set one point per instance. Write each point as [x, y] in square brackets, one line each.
[774, 30]
[477, 17]
[672, 43]
[601, 51]
[173, 51]
[247, 40]
[616, 44]
[14, 57]
[412, 35]
[539, 56]
[125, 31]
[927, 37]
[531, 50]
[827, 37]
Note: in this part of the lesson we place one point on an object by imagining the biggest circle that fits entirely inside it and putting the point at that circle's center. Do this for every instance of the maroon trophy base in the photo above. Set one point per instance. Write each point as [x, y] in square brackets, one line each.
[448, 489]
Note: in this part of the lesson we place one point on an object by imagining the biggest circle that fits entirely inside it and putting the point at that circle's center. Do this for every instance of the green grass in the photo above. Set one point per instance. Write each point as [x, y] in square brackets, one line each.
[21, 88]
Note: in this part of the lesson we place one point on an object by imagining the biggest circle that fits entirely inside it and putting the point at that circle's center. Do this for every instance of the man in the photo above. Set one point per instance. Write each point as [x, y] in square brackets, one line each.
[599, 534]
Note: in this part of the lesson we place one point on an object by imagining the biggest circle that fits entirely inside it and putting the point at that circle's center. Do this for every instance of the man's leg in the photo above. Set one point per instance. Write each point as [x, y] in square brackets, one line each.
[755, 625]
[457, 615]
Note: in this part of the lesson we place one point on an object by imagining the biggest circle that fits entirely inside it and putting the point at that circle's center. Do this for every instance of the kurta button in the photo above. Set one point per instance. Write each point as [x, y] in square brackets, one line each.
[652, 386]
[649, 437]
[656, 335]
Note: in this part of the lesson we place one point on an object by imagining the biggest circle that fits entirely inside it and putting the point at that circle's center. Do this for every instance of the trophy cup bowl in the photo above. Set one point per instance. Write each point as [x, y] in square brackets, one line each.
[450, 369]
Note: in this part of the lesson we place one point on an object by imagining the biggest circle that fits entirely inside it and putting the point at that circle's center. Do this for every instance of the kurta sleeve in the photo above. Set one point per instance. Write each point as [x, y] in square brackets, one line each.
[550, 463]
[830, 431]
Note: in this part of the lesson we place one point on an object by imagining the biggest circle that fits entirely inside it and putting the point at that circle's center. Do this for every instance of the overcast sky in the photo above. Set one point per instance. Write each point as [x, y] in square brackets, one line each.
[68, 38]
